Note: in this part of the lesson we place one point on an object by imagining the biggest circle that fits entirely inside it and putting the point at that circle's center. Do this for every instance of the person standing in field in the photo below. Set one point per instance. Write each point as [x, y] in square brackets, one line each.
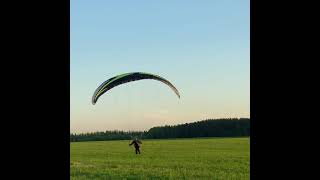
[136, 144]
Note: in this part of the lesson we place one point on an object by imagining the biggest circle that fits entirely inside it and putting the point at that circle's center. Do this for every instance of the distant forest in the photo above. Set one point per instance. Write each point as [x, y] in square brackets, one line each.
[232, 127]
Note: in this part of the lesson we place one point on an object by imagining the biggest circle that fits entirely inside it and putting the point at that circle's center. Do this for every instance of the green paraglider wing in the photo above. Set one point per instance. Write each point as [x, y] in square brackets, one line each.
[125, 78]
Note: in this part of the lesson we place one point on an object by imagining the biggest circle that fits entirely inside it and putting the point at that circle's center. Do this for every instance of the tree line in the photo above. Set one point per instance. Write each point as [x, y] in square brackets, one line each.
[228, 127]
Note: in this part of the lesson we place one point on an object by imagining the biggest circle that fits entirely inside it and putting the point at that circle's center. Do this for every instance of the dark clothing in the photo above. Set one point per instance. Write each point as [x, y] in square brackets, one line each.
[136, 144]
[137, 150]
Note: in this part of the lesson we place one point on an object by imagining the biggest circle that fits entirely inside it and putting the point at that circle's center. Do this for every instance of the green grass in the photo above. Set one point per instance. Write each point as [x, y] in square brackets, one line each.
[197, 158]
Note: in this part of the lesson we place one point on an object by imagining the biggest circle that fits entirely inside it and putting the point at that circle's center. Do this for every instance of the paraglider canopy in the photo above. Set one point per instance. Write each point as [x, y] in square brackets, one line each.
[125, 78]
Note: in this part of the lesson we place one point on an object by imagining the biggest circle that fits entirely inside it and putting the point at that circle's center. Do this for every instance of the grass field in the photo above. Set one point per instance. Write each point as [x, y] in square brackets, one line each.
[197, 158]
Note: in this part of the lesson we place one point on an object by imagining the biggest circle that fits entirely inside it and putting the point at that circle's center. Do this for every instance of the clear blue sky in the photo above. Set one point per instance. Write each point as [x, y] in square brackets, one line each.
[202, 47]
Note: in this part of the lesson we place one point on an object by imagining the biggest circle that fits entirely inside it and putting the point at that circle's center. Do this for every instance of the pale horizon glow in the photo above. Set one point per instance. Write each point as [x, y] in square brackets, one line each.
[202, 47]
